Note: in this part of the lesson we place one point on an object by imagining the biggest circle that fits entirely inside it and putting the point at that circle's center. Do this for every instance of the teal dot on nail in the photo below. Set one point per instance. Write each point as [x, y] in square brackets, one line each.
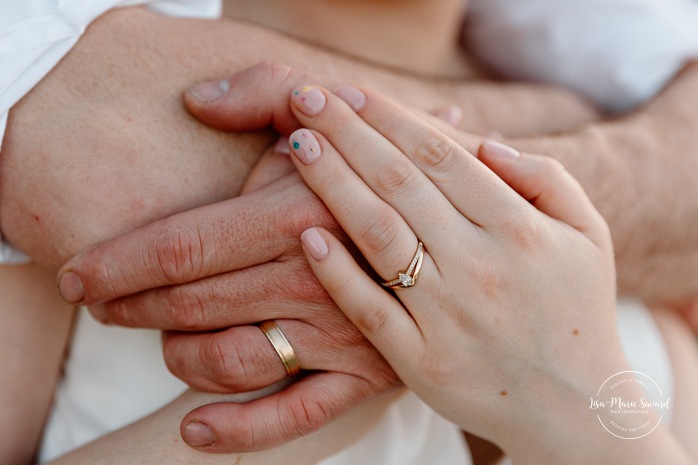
[296, 145]
[295, 93]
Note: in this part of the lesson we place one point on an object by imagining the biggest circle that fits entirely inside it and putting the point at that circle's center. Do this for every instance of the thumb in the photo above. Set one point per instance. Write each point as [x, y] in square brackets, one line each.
[252, 99]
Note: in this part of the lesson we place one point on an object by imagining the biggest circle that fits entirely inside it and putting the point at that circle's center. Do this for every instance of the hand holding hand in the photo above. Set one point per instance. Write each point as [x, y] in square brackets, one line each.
[514, 302]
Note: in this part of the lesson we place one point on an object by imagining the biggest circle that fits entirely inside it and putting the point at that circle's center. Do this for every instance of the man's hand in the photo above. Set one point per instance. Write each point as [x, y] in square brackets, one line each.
[230, 265]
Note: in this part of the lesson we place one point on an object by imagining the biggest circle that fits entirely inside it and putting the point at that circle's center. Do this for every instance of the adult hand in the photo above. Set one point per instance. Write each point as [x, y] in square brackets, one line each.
[257, 97]
[258, 235]
[515, 299]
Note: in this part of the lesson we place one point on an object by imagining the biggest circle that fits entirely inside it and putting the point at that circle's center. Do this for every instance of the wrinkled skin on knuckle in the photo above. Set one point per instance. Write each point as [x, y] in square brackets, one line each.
[401, 177]
[372, 321]
[380, 231]
[525, 233]
[307, 416]
[118, 312]
[186, 310]
[225, 363]
[274, 73]
[178, 253]
[436, 151]
[297, 283]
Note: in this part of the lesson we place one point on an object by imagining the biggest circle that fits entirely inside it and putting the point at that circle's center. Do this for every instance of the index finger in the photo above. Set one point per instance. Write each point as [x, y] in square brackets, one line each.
[206, 241]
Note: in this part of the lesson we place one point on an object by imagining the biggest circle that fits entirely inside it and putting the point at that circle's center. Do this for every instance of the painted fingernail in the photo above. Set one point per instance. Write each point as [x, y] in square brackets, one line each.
[308, 99]
[314, 244]
[305, 146]
[197, 434]
[211, 90]
[353, 96]
[281, 146]
[70, 288]
[497, 149]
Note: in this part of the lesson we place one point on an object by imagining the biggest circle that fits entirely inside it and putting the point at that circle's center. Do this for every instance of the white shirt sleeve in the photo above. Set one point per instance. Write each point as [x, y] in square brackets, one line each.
[36, 34]
[619, 53]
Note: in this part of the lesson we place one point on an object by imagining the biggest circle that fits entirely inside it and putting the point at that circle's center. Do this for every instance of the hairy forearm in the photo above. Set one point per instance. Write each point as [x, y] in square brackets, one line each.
[640, 172]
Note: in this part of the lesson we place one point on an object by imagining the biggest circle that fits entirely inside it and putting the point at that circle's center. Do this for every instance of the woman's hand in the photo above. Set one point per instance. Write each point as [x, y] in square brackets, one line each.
[509, 326]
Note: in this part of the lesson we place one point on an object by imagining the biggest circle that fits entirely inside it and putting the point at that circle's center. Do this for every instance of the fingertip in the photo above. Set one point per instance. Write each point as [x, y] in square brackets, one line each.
[70, 287]
[493, 149]
[197, 435]
[209, 91]
[315, 244]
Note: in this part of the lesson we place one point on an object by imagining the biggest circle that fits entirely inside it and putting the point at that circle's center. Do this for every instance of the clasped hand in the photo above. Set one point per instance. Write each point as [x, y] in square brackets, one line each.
[516, 285]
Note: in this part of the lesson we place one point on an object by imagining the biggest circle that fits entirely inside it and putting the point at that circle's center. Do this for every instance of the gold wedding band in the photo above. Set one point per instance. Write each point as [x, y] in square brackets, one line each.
[282, 346]
[408, 278]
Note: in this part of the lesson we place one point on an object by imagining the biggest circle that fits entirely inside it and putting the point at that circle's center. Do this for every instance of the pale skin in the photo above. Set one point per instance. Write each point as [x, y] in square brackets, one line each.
[183, 353]
[436, 338]
[100, 227]
[119, 139]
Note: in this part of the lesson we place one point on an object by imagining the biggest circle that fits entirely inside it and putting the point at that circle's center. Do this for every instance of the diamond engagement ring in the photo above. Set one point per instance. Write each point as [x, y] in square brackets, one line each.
[408, 278]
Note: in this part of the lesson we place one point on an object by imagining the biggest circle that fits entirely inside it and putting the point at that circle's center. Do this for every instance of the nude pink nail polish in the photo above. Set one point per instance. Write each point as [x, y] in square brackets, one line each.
[315, 244]
[497, 149]
[305, 146]
[308, 99]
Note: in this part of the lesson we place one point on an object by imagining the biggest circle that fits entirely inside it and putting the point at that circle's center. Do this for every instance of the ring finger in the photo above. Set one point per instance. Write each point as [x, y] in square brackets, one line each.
[378, 230]
[242, 358]
[380, 166]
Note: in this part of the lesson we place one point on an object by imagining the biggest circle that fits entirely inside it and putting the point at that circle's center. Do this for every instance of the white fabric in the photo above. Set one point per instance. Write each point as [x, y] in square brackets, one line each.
[644, 346]
[619, 53]
[116, 375]
[36, 34]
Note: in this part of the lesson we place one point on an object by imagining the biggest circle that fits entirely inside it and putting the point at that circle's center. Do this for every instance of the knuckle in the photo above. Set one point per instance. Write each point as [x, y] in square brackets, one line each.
[224, 363]
[488, 278]
[397, 177]
[551, 167]
[186, 311]
[178, 253]
[525, 233]
[272, 71]
[118, 312]
[436, 371]
[380, 231]
[435, 151]
[374, 320]
[307, 416]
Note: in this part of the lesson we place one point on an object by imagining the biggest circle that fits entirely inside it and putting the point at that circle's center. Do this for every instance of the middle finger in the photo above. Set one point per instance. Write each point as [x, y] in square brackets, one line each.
[368, 182]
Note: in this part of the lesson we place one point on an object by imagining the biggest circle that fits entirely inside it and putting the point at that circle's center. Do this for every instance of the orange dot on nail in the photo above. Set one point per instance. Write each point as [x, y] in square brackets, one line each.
[575, 332]
[504, 393]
